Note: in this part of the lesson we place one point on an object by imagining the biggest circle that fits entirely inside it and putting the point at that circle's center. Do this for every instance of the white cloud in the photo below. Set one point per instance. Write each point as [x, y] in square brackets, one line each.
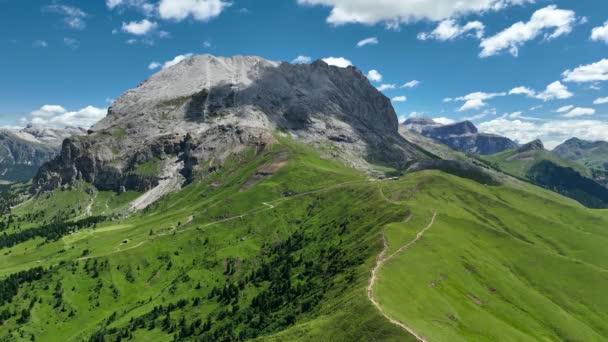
[447, 99]
[384, 87]
[564, 109]
[444, 121]
[552, 132]
[522, 91]
[449, 29]
[392, 13]
[601, 100]
[368, 41]
[113, 3]
[73, 17]
[594, 72]
[554, 91]
[199, 9]
[207, 43]
[301, 60]
[551, 21]
[475, 117]
[578, 111]
[515, 115]
[339, 62]
[399, 99]
[40, 44]
[374, 75]
[154, 65]
[71, 42]
[176, 60]
[58, 116]
[411, 84]
[600, 33]
[143, 6]
[139, 28]
[476, 100]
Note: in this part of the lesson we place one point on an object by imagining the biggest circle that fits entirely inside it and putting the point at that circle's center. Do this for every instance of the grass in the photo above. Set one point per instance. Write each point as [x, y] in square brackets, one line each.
[513, 262]
[518, 164]
[498, 264]
[131, 256]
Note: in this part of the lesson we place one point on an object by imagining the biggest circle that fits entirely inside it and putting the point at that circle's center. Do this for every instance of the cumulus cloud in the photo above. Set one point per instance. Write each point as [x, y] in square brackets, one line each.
[203, 10]
[449, 29]
[579, 111]
[392, 13]
[73, 17]
[368, 41]
[550, 22]
[387, 86]
[476, 100]
[601, 100]
[399, 99]
[411, 84]
[594, 72]
[552, 132]
[339, 62]
[374, 75]
[600, 33]
[301, 60]
[58, 116]
[176, 60]
[522, 91]
[554, 91]
[139, 28]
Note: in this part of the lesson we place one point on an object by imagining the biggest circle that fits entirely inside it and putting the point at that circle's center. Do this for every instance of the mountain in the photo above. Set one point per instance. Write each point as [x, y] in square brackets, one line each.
[593, 154]
[547, 169]
[196, 114]
[461, 136]
[230, 218]
[23, 151]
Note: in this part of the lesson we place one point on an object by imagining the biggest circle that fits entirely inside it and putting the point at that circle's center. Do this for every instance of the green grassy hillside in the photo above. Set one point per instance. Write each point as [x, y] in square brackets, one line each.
[498, 263]
[550, 171]
[280, 246]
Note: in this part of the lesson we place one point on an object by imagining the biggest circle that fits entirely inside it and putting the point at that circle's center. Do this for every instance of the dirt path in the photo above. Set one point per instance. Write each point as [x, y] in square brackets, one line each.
[380, 261]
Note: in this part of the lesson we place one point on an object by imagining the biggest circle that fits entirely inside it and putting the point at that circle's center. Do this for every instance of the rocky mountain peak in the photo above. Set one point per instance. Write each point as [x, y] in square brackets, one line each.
[225, 104]
[536, 145]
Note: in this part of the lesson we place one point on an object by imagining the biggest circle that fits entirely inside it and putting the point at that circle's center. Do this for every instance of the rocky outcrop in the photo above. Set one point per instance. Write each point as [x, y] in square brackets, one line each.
[207, 108]
[535, 145]
[461, 136]
[23, 151]
[593, 154]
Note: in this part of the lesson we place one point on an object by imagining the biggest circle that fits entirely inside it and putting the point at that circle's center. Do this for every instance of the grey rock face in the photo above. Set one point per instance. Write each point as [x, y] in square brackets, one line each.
[206, 108]
[535, 145]
[462, 136]
[23, 151]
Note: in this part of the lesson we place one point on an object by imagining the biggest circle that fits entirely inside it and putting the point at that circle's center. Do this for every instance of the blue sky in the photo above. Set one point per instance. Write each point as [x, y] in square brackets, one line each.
[490, 61]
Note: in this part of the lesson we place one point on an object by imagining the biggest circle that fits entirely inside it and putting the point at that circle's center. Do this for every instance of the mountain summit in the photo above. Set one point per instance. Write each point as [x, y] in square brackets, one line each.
[206, 108]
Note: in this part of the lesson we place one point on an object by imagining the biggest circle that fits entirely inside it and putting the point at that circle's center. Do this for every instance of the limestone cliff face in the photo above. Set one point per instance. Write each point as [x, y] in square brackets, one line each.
[23, 151]
[461, 136]
[207, 108]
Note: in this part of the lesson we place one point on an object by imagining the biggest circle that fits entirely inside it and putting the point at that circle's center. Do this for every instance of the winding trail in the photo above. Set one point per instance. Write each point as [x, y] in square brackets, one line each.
[380, 261]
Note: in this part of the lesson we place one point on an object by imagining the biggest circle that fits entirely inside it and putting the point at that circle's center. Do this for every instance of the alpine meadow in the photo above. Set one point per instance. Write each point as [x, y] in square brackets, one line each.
[223, 196]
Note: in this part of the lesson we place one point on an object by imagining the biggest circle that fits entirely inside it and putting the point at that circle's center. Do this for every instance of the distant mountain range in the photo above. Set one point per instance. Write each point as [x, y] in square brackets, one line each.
[23, 151]
[461, 136]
